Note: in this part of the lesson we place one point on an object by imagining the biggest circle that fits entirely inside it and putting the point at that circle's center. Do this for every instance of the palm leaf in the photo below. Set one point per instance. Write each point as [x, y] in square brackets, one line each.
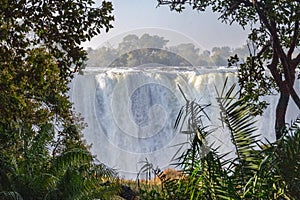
[288, 157]
[240, 123]
[205, 168]
[10, 195]
[74, 157]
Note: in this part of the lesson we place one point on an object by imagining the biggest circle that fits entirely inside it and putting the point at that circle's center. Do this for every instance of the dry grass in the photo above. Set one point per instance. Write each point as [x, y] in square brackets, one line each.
[168, 173]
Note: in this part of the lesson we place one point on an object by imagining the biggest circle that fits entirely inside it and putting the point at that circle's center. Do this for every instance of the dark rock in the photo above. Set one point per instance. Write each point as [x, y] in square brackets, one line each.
[128, 193]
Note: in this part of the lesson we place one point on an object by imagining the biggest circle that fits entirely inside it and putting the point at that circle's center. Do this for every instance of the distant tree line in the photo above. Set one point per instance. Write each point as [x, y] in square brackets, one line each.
[134, 51]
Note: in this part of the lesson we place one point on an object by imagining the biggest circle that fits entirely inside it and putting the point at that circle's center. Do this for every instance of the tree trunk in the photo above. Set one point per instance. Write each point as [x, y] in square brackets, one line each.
[281, 111]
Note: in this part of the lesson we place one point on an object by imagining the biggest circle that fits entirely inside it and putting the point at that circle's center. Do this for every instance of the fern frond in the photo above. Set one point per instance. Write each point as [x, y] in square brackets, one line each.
[74, 157]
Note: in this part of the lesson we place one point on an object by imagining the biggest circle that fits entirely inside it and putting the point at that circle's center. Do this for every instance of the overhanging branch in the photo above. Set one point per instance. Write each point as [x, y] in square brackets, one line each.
[296, 61]
[294, 40]
[274, 71]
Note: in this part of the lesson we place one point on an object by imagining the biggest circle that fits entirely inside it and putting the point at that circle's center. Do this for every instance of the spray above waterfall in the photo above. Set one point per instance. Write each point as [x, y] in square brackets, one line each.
[131, 112]
[131, 105]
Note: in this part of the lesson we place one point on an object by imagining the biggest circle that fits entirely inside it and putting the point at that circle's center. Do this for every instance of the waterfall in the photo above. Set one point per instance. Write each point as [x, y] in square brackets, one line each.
[131, 112]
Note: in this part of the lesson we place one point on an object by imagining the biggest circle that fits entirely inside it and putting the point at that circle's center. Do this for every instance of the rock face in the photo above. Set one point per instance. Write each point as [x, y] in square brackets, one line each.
[131, 112]
[127, 193]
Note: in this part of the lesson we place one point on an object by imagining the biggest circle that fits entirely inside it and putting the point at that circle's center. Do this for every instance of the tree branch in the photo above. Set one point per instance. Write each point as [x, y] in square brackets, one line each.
[295, 96]
[289, 71]
[259, 54]
[296, 61]
[274, 71]
[167, 2]
[295, 39]
[245, 2]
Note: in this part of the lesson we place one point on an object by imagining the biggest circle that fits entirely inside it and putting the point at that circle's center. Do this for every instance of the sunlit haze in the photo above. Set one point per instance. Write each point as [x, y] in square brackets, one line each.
[203, 28]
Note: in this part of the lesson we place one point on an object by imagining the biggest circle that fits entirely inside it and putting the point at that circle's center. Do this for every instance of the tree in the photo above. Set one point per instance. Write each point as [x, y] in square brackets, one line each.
[220, 55]
[275, 38]
[204, 58]
[101, 57]
[39, 53]
[241, 52]
[187, 51]
[150, 56]
[130, 42]
[133, 42]
[155, 41]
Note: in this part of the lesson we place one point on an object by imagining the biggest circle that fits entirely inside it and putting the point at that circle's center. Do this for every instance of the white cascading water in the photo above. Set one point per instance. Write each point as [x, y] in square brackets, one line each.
[131, 112]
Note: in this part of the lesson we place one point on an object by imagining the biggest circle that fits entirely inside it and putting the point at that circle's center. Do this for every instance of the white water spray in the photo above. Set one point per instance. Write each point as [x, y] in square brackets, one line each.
[131, 112]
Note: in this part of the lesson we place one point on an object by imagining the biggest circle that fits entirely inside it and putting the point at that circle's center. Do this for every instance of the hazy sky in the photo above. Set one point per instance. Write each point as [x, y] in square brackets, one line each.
[203, 28]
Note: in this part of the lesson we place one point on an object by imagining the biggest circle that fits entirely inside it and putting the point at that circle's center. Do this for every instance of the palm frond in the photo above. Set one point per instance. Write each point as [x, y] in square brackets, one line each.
[189, 121]
[10, 195]
[288, 155]
[207, 176]
[74, 157]
[240, 124]
[80, 177]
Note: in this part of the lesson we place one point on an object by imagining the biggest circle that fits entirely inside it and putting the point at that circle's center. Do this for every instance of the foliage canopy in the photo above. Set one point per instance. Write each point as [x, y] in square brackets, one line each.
[39, 53]
[134, 51]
